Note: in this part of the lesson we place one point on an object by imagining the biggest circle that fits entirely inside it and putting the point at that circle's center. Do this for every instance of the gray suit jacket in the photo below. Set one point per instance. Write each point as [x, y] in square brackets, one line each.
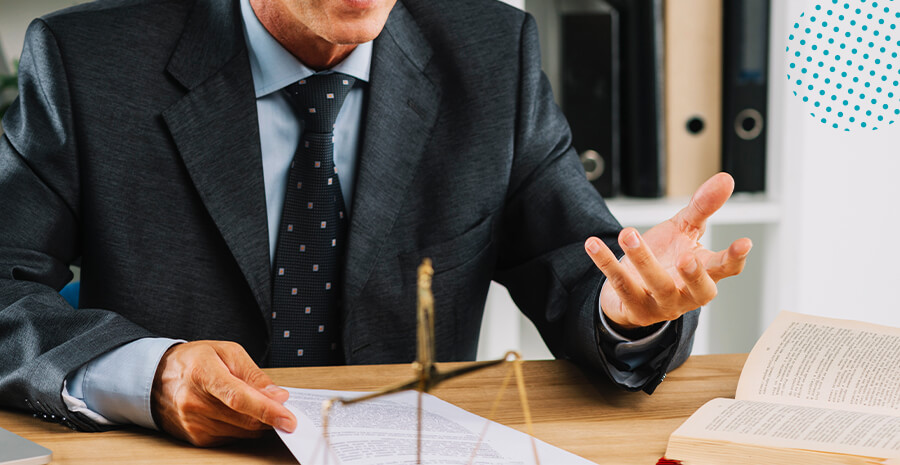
[134, 145]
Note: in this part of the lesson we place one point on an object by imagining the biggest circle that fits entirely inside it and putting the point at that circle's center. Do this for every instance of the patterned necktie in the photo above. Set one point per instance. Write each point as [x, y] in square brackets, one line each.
[306, 314]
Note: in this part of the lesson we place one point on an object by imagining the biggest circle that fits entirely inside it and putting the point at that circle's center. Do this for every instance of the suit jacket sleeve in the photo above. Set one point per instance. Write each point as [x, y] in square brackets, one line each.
[550, 211]
[42, 338]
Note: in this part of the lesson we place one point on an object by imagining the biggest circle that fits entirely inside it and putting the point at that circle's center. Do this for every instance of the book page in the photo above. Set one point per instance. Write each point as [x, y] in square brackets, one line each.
[795, 427]
[383, 431]
[825, 362]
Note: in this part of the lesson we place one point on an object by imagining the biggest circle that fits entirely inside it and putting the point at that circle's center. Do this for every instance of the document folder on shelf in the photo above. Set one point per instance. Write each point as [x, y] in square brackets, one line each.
[643, 133]
[589, 93]
[693, 97]
[745, 39]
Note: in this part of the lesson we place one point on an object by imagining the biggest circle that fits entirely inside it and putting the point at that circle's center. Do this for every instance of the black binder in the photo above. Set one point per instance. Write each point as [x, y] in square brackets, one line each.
[589, 94]
[643, 131]
[745, 46]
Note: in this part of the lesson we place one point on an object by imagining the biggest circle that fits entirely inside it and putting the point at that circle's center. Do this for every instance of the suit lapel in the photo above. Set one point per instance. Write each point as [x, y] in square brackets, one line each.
[401, 111]
[216, 131]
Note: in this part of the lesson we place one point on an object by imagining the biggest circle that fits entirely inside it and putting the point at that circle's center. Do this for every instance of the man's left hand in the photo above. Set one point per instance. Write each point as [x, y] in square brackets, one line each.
[667, 273]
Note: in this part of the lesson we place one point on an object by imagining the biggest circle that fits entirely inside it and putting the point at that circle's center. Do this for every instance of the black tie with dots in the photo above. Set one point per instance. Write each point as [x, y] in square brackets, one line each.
[306, 316]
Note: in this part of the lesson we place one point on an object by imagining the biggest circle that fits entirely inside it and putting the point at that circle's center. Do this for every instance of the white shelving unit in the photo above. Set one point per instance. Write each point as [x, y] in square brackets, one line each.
[741, 209]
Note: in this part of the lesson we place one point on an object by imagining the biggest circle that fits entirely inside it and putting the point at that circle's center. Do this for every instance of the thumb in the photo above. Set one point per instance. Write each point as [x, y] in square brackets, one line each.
[707, 199]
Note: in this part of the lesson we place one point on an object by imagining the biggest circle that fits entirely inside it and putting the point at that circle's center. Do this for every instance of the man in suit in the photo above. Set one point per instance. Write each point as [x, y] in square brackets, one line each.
[153, 140]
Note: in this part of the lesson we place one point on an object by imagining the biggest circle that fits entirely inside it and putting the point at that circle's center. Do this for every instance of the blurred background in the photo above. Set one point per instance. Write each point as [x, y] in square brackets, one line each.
[681, 89]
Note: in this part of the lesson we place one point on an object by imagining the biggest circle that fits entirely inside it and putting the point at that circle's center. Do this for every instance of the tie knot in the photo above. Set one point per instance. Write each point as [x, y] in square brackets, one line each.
[318, 99]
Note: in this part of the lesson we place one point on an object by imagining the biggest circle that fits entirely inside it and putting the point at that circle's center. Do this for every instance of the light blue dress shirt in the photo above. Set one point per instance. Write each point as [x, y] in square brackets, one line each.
[115, 387]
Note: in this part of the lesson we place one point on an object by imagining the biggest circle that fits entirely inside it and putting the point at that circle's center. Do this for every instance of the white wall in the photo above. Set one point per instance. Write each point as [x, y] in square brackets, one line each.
[840, 193]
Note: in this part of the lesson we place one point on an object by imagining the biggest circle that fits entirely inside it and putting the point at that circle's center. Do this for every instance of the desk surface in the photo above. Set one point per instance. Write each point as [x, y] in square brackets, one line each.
[572, 411]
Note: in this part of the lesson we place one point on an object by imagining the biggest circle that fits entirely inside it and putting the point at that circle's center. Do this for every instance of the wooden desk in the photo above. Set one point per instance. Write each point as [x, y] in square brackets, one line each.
[571, 411]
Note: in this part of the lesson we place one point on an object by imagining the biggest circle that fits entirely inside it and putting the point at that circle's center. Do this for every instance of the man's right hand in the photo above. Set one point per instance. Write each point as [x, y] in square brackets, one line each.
[209, 392]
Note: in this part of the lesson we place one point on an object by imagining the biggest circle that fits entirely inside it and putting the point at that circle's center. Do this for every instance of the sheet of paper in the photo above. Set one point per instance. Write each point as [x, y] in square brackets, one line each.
[383, 431]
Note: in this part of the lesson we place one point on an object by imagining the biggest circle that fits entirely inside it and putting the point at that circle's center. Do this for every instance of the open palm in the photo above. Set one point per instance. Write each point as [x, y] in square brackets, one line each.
[667, 273]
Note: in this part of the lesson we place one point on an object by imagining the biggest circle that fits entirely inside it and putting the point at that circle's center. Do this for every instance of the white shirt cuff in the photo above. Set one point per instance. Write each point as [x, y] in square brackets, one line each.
[642, 342]
[114, 388]
[632, 352]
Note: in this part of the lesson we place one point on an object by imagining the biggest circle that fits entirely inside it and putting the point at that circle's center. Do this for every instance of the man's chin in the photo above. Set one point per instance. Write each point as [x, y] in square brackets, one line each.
[355, 36]
[359, 20]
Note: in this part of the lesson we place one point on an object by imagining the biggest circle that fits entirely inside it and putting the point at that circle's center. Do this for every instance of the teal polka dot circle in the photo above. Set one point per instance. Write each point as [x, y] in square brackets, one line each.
[843, 62]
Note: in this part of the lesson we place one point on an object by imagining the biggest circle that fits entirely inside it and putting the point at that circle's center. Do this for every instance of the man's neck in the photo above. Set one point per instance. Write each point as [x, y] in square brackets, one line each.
[312, 50]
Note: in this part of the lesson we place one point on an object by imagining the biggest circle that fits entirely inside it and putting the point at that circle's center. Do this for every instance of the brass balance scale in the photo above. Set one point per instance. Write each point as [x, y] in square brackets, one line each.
[427, 375]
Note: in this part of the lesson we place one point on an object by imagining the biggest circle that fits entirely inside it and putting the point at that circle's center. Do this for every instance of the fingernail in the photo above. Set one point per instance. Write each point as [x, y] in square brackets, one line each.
[592, 246]
[284, 424]
[631, 240]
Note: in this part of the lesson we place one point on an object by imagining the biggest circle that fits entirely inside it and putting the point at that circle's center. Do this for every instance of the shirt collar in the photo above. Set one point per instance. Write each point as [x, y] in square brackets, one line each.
[273, 67]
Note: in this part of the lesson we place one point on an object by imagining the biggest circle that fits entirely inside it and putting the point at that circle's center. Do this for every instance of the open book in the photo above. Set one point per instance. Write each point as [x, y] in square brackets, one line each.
[813, 391]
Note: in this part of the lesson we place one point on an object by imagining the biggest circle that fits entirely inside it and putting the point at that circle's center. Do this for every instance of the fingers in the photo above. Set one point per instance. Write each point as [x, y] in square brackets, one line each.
[646, 292]
[227, 415]
[656, 278]
[197, 397]
[731, 261]
[669, 273]
[698, 285]
[241, 398]
[708, 198]
[616, 275]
